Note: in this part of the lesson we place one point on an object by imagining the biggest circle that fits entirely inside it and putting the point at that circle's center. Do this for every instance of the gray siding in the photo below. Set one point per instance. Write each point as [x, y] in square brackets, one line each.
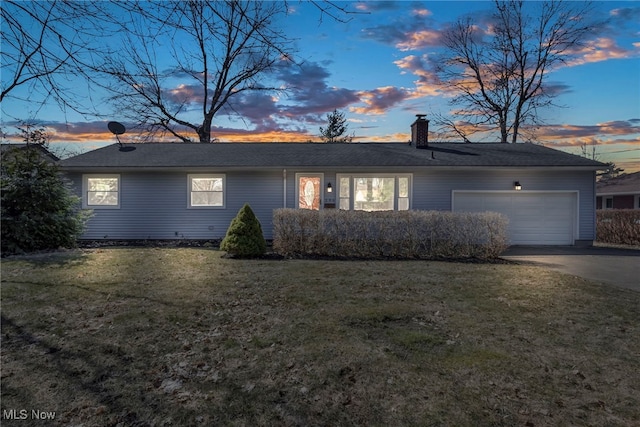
[433, 189]
[154, 204]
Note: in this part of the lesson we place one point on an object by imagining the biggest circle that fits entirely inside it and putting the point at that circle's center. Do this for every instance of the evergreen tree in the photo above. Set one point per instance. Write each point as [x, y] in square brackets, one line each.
[244, 237]
[38, 210]
[336, 128]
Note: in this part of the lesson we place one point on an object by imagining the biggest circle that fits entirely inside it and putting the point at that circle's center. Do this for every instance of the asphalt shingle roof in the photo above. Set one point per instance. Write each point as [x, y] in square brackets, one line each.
[280, 155]
[628, 183]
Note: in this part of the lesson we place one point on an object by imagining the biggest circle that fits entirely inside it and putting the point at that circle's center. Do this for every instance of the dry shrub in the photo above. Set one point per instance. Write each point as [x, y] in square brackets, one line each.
[620, 226]
[388, 234]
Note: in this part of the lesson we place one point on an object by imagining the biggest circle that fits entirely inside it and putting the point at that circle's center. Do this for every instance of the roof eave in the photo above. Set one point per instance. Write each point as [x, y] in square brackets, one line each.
[351, 167]
[622, 193]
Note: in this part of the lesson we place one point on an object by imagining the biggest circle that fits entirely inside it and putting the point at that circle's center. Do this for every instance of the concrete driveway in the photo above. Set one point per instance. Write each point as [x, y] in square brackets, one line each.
[620, 267]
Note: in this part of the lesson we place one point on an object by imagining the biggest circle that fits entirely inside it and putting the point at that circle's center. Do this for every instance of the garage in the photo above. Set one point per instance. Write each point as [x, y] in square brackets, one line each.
[535, 218]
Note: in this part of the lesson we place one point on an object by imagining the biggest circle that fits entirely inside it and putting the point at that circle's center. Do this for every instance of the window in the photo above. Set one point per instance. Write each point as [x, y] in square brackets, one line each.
[101, 191]
[206, 191]
[608, 202]
[344, 193]
[403, 193]
[380, 192]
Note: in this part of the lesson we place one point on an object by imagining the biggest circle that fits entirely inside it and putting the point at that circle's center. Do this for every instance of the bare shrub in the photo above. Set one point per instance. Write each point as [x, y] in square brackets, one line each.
[388, 234]
[619, 226]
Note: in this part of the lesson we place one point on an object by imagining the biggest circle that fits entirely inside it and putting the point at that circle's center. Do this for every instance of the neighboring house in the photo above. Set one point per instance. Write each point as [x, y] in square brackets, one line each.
[193, 191]
[622, 192]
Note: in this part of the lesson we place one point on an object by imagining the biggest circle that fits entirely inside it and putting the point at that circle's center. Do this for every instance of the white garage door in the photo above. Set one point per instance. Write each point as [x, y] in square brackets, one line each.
[534, 218]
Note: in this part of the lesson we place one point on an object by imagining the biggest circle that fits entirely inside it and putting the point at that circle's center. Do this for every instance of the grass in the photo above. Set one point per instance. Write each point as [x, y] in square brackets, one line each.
[181, 336]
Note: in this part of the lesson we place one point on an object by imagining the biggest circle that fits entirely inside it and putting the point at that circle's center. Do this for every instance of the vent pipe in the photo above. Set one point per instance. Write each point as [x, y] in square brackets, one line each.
[420, 132]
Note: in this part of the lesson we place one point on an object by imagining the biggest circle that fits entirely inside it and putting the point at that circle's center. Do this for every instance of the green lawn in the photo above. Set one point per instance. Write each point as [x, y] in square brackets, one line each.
[181, 336]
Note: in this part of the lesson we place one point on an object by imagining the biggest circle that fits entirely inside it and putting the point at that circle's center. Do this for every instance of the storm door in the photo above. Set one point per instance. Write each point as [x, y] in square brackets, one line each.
[309, 190]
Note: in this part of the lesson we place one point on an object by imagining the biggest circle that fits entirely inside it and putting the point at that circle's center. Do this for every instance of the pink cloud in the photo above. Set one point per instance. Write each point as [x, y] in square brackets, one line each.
[419, 40]
[568, 132]
[602, 49]
[423, 13]
[184, 94]
[378, 100]
[427, 83]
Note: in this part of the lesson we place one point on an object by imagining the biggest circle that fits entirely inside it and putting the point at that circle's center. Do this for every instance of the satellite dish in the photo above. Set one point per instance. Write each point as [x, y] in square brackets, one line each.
[118, 128]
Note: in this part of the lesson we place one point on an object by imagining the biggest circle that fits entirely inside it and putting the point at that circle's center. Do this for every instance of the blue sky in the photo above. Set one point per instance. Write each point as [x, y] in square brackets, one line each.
[374, 67]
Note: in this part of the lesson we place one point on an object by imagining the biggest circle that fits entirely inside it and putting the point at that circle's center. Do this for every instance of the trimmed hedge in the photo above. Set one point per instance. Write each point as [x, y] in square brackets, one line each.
[388, 234]
[619, 226]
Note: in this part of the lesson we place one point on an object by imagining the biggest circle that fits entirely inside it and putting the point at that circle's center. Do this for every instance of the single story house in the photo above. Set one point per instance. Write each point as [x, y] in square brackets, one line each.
[193, 191]
[622, 192]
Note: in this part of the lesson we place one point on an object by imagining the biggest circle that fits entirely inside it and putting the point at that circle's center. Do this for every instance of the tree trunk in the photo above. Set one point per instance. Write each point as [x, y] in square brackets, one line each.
[204, 131]
[504, 134]
[516, 125]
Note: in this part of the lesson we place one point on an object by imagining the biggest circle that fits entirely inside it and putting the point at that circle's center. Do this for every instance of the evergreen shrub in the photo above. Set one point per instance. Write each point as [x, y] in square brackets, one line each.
[244, 237]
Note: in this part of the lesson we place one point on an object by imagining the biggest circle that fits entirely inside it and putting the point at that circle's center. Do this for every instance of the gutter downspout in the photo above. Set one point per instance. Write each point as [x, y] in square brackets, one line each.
[284, 188]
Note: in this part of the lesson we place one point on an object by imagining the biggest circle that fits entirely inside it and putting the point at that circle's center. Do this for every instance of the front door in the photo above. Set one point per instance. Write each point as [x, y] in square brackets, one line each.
[309, 190]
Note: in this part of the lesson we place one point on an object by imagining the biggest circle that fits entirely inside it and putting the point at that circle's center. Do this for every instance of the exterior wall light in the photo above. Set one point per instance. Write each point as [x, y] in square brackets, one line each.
[329, 188]
[517, 186]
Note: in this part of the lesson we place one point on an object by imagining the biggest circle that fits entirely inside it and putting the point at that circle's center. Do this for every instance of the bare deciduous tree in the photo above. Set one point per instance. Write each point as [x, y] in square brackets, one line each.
[168, 66]
[183, 61]
[500, 75]
[42, 44]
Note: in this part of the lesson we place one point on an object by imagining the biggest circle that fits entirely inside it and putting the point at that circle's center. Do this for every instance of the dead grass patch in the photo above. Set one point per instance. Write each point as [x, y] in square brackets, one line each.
[181, 336]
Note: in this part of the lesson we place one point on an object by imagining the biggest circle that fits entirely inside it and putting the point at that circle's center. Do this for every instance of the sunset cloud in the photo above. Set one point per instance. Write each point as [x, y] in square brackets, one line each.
[305, 97]
[420, 40]
[309, 93]
[421, 12]
[379, 100]
[184, 94]
[239, 135]
[428, 83]
[566, 132]
[602, 49]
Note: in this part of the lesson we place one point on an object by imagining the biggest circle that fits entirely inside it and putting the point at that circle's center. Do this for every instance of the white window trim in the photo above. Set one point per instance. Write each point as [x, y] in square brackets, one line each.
[85, 190]
[396, 177]
[207, 175]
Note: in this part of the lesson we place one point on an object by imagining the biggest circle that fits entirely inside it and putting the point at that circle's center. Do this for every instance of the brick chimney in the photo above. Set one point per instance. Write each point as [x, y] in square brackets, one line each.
[420, 132]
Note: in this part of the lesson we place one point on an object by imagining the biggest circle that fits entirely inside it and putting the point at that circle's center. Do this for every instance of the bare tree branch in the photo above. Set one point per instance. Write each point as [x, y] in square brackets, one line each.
[218, 51]
[500, 74]
[334, 10]
[42, 44]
